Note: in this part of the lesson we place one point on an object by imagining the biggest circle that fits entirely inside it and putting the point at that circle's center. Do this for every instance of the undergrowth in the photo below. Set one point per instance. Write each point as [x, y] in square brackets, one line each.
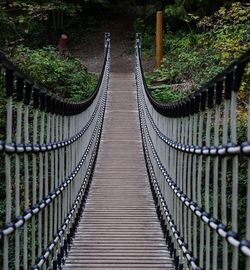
[194, 56]
[63, 76]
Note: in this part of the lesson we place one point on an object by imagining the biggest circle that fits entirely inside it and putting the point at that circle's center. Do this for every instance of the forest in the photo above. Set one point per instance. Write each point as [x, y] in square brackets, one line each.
[203, 35]
[200, 35]
[200, 39]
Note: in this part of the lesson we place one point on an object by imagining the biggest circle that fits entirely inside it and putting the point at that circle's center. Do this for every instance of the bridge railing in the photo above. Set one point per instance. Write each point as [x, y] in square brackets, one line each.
[47, 157]
[197, 153]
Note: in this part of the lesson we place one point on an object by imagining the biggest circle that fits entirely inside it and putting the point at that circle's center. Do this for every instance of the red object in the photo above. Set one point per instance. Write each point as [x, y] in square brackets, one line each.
[62, 45]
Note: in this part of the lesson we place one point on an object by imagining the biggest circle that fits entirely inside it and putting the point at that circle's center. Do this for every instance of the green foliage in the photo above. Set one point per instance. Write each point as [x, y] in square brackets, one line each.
[185, 13]
[33, 23]
[39, 23]
[175, 13]
[228, 31]
[189, 59]
[147, 33]
[65, 77]
[167, 94]
[196, 57]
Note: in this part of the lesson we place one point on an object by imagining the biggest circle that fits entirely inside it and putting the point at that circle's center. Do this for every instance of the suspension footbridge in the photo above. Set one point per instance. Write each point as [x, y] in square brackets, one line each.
[121, 181]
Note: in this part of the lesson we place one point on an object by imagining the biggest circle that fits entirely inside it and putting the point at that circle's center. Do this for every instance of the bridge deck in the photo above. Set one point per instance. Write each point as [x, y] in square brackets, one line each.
[119, 228]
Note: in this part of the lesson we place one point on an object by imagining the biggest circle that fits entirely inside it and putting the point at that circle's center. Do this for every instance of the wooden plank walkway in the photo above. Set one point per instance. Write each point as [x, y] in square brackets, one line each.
[119, 228]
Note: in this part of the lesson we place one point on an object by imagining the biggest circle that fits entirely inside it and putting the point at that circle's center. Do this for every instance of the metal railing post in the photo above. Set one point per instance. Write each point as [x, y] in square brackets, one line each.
[197, 169]
[51, 144]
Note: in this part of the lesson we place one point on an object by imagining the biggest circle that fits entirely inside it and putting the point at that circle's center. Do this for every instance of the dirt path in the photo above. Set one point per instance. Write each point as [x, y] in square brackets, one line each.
[90, 47]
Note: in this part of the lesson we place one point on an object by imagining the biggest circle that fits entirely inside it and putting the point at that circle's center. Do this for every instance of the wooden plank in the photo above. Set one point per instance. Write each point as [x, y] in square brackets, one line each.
[119, 228]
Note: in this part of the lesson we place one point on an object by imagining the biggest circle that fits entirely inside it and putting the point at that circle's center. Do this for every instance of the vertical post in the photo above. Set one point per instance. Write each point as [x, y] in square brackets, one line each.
[62, 45]
[159, 38]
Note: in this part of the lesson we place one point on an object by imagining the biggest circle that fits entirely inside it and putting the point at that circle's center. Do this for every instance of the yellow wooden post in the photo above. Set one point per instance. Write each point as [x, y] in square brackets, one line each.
[159, 38]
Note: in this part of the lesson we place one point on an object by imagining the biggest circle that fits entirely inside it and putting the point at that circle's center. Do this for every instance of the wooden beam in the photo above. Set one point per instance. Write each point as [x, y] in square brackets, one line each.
[159, 38]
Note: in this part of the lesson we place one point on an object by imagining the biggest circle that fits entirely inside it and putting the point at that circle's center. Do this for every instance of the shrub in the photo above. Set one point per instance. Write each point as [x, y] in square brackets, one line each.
[66, 77]
[199, 55]
[167, 94]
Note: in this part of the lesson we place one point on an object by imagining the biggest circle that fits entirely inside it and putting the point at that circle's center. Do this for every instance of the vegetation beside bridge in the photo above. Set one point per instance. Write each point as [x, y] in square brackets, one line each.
[198, 50]
[201, 38]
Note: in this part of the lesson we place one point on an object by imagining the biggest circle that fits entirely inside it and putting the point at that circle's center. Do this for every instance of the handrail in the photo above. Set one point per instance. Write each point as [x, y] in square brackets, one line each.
[48, 156]
[42, 97]
[199, 171]
[202, 97]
